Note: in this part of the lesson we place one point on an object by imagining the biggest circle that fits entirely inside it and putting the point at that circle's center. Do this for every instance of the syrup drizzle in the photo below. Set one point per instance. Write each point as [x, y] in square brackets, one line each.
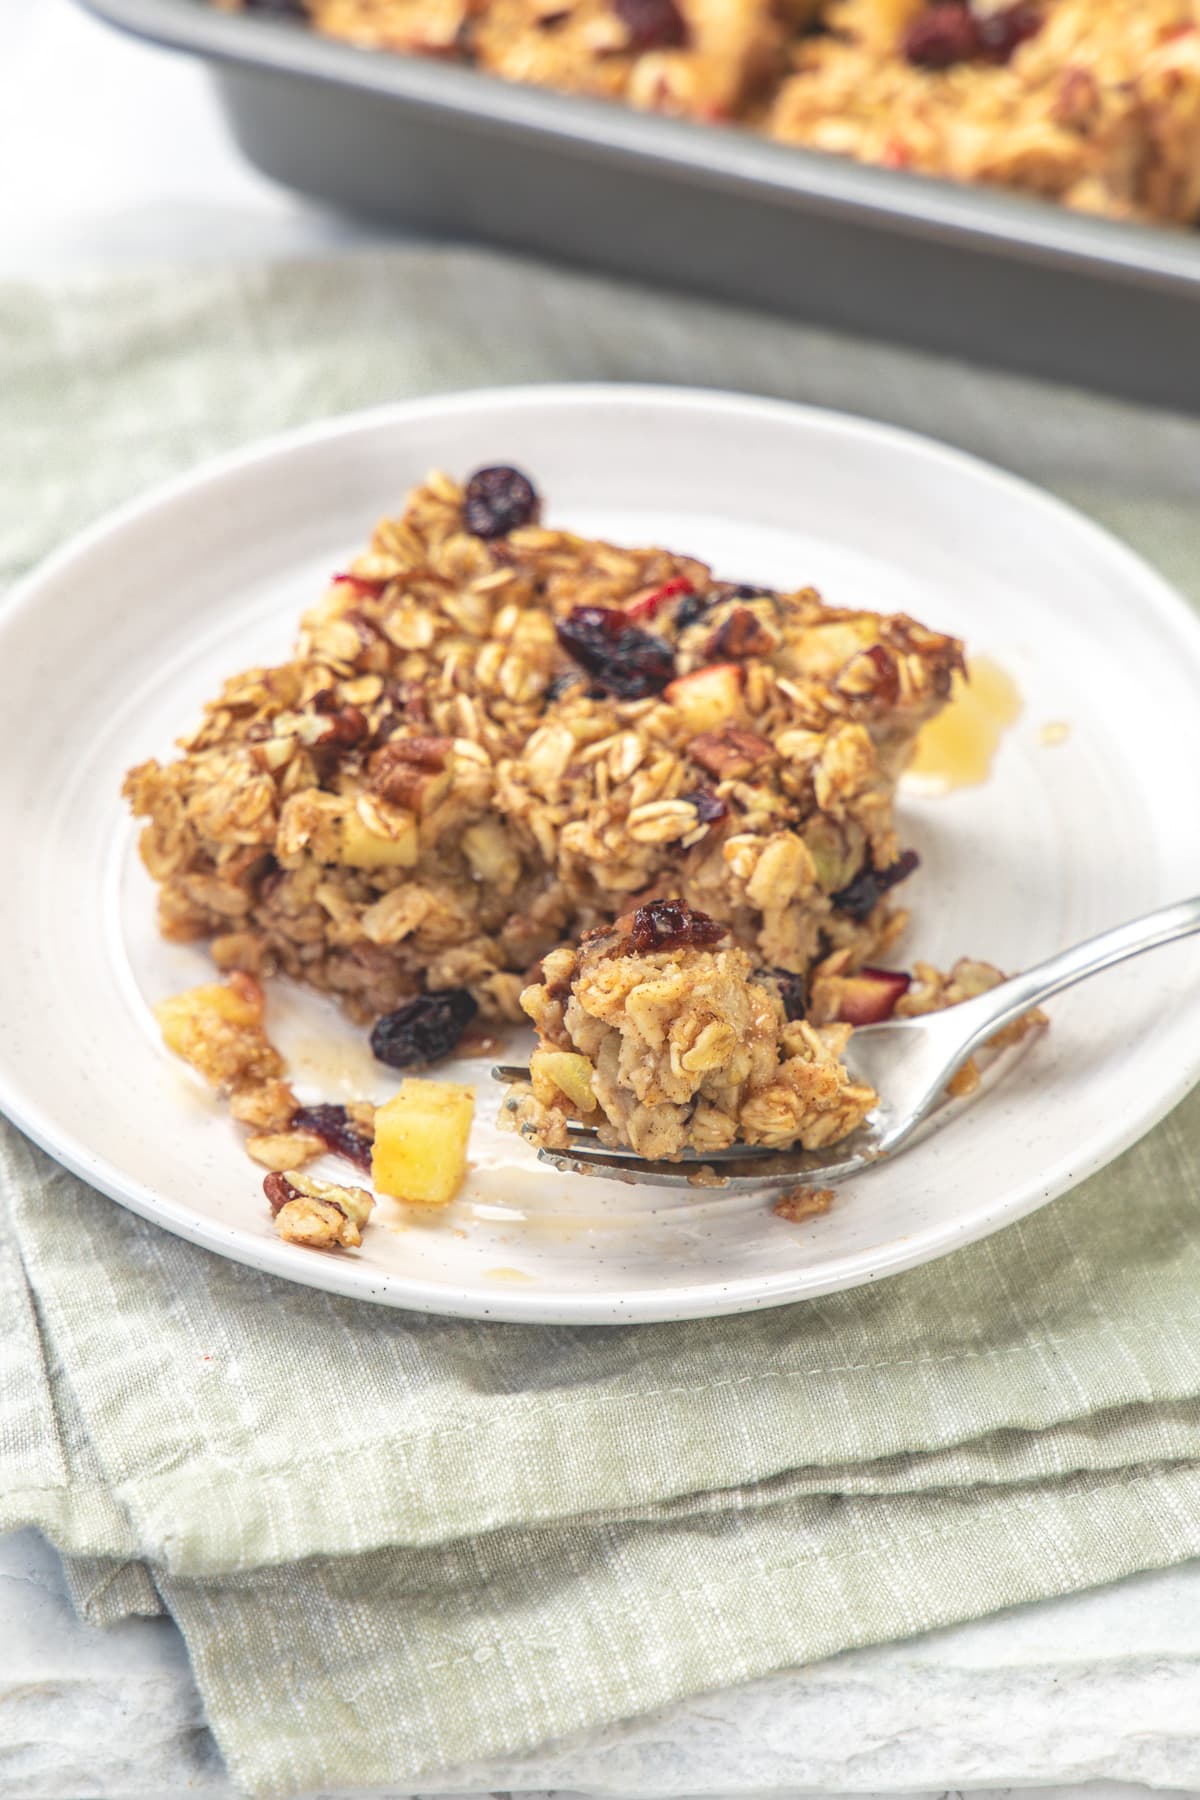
[958, 748]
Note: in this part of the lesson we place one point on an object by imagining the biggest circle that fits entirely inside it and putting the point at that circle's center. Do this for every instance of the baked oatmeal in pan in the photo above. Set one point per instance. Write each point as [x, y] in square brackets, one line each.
[512, 771]
[1093, 103]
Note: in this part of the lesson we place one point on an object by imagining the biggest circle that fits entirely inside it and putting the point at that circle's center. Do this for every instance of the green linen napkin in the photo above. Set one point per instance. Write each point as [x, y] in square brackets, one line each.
[397, 1543]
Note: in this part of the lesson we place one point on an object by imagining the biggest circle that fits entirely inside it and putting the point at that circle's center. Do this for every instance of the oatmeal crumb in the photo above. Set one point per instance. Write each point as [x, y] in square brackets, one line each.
[803, 1203]
[706, 1177]
[319, 1214]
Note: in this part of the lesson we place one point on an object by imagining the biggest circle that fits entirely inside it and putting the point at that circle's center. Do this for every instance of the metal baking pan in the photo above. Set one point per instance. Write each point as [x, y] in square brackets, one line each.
[456, 153]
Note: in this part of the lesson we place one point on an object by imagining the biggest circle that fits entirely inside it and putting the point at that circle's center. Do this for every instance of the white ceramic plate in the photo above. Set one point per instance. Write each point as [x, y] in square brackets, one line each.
[107, 653]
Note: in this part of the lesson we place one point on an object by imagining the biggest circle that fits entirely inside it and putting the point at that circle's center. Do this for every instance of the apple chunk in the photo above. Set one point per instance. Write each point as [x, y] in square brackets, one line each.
[870, 997]
[363, 848]
[707, 697]
[420, 1148]
[559, 1074]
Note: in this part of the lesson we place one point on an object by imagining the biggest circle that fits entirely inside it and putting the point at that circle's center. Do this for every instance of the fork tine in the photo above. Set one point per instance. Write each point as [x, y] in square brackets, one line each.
[580, 1133]
[580, 1127]
[618, 1167]
[770, 1168]
[748, 1166]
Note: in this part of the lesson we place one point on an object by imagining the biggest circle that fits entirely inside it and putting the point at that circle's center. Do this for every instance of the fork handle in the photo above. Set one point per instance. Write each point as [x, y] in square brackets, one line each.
[1002, 1005]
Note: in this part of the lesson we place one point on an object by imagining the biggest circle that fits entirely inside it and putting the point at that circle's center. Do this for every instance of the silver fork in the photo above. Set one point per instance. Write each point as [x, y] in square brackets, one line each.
[907, 1061]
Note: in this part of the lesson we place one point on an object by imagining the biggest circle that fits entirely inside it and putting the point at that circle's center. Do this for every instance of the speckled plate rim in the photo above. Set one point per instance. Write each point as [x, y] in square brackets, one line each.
[1161, 609]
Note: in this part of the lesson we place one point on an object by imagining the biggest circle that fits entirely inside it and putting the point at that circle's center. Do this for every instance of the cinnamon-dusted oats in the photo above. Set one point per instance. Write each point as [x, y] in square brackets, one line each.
[1095, 103]
[659, 1032]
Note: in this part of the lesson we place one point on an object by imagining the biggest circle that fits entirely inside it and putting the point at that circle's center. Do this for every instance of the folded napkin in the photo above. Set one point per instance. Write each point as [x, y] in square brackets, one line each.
[395, 1543]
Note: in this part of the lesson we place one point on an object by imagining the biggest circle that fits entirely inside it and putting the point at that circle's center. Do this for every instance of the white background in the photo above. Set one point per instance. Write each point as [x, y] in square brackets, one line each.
[113, 151]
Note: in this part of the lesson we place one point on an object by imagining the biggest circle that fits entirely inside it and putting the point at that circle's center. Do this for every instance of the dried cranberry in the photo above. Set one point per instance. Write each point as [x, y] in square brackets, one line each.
[559, 684]
[859, 896]
[709, 806]
[331, 1123]
[497, 501]
[425, 1029]
[942, 35]
[652, 24]
[670, 925]
[622, 658]
[1000, 33]
[369, 585]
[791, 988]
[949, 32]
[693, 607]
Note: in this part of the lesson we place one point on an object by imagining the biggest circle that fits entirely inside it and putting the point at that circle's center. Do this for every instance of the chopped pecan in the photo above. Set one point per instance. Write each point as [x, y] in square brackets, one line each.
[345, 730]
[730, 752]
[278, 1190]
[411, 772]
[741, 634]
[407, 704]
[320, 1214]
[871, 675]
[337, 1130]
[1077, 102]
[425, 752]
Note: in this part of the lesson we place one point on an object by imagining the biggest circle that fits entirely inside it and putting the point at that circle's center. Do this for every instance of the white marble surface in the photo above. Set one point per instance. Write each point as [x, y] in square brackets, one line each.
[1101, 1686]
[113, 152]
